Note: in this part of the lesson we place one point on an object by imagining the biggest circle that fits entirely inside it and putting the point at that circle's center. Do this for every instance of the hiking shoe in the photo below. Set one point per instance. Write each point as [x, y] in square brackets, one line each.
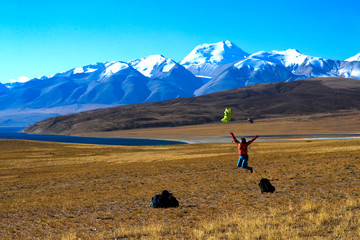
[251, 170]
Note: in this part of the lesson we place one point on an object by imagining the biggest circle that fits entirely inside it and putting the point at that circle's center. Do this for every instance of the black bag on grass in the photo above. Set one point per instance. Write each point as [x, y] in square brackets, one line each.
[164, 200]
[265, 186]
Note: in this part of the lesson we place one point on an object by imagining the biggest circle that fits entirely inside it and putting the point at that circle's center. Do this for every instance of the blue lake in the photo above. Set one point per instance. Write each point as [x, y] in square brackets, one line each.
[14, 133]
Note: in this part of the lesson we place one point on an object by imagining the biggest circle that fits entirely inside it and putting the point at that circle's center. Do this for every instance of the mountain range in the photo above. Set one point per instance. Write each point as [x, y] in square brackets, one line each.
[209, 68]
[261, 101]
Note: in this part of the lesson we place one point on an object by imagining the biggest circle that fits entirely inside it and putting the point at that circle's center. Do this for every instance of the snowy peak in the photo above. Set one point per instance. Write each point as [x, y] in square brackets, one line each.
[354, 58]
[149, 64]
[214, 53]
[16, 82]
[293, 52]
[106, 69]
[88, 68]
[253, 64]
[286, 58]
[114, 67]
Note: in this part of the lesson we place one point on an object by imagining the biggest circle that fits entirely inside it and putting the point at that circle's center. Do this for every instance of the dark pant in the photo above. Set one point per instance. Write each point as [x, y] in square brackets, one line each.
[243, 162]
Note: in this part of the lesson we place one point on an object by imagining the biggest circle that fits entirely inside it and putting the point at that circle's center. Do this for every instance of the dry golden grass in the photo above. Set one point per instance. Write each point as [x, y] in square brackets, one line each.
[71, 191]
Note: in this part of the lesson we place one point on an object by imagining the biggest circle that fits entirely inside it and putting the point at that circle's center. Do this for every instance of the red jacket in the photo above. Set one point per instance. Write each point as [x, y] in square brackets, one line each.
[243, 148]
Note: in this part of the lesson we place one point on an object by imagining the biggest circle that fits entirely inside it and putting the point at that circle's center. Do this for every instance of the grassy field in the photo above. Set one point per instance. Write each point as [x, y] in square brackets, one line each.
[72, 191]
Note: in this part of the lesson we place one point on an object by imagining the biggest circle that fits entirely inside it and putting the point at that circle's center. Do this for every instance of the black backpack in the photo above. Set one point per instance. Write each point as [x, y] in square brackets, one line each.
[265, 186]
[164, 200]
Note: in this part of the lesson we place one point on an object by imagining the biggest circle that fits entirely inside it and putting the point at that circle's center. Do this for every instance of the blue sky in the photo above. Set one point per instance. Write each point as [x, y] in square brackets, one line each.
[42, 37]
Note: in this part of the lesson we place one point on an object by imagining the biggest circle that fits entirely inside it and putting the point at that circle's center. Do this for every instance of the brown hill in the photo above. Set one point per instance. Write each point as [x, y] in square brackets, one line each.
[297, 98]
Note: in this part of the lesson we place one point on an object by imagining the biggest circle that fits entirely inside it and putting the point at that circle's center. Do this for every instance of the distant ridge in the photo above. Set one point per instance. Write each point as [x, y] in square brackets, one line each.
[208, 68]
[325, 95]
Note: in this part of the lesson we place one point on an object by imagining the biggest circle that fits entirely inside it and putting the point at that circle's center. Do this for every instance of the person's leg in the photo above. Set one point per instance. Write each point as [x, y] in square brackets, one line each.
[244, 163]
[240, 161]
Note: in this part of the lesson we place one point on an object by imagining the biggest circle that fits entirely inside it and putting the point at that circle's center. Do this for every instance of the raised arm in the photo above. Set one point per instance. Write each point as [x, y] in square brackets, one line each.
[234, 138]
[253, 139]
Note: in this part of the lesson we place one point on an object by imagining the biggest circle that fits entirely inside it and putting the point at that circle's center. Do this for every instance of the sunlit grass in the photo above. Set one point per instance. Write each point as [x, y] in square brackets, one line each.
[70, 191]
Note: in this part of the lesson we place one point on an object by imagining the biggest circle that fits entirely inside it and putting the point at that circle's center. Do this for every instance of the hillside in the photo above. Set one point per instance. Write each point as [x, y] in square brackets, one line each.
[297, 98]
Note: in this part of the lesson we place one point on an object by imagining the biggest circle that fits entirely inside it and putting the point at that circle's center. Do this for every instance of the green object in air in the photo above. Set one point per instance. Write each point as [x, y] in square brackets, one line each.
[227, 115]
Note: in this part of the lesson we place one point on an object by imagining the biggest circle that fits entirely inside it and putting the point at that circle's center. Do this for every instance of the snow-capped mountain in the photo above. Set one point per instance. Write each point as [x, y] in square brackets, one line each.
[14, 83]
[350, 69]
[216, 53]
[267, 67]
[354, 58]
[300, 64]
[247, 72]
[153, 66]
[207, 69]
[288, 58]
[208, 60]
[112, 83]
[101, 85]
[166, 77]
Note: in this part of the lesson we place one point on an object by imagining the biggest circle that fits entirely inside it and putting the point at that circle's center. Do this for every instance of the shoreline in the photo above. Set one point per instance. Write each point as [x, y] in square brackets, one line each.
[189, 140]
[273, 138]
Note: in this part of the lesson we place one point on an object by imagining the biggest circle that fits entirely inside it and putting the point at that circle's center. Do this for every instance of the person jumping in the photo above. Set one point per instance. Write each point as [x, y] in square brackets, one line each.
[243, 151]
